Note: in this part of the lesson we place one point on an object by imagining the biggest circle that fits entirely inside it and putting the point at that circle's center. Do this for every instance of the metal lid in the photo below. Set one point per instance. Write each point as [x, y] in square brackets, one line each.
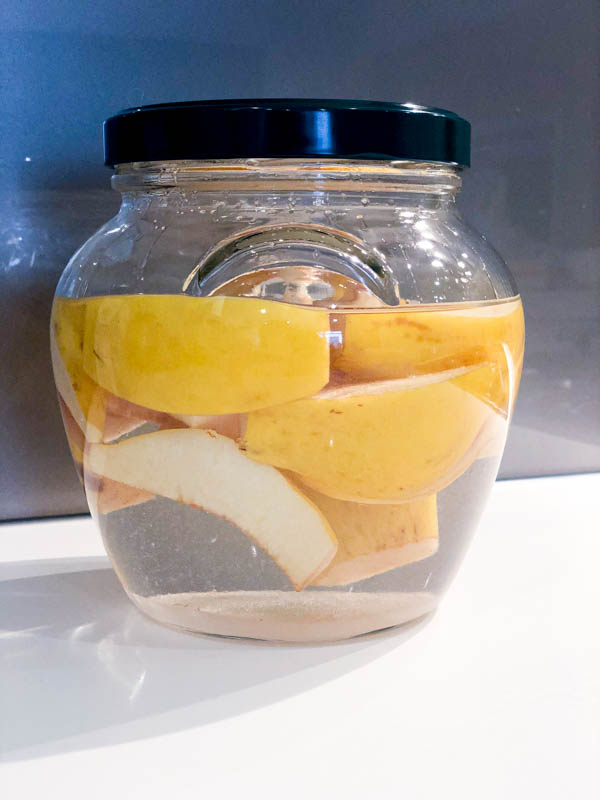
[233, 129]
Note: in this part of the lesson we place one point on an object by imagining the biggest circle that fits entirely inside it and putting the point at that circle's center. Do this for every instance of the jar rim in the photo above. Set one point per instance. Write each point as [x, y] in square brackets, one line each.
[325, 174]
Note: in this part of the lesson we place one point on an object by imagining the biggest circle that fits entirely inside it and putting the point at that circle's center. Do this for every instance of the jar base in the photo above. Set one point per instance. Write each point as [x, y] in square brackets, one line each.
[277, 616]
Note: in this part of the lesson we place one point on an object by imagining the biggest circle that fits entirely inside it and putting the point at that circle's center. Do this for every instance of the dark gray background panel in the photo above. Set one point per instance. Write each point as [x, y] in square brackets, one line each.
[524, 72]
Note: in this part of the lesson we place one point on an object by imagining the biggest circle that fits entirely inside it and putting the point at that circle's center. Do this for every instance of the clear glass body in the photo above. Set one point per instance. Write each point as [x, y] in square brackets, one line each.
[286, 386]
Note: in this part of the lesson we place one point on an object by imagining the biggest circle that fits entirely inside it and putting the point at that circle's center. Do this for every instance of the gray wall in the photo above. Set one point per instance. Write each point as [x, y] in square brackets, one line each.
[524, 72]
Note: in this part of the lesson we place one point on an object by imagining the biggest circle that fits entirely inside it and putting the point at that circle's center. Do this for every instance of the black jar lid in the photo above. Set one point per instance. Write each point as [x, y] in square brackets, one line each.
[346, 129]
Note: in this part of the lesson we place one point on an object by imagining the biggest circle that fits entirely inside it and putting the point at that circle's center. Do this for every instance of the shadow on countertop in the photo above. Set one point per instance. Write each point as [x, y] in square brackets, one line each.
[82, 668]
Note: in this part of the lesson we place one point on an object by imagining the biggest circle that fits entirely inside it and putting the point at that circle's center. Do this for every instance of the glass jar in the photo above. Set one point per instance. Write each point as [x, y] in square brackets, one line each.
[287, 366]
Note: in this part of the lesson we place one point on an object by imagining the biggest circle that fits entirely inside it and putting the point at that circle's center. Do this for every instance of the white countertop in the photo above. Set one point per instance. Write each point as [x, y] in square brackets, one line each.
[495, 697]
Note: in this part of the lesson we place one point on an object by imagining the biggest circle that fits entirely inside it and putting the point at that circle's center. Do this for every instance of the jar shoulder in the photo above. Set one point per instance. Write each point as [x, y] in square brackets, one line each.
[433, 255]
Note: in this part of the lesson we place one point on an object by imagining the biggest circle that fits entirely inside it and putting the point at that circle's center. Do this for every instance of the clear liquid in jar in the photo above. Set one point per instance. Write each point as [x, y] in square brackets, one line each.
[266, 469]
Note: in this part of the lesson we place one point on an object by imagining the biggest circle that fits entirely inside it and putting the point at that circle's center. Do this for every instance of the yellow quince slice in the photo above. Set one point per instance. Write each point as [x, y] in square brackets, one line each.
[381, 442]
[205, 355]
[385, 345]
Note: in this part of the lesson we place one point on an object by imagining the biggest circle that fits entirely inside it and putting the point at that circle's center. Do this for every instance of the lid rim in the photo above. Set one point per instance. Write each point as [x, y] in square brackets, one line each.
[286, 128]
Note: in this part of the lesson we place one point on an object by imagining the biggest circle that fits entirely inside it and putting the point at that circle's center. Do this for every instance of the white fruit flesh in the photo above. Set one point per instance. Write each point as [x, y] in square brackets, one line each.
[231, 425]
[349, 389]
[201, 468]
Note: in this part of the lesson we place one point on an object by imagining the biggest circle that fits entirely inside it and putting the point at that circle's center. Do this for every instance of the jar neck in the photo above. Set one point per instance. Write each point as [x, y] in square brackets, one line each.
[424, 182]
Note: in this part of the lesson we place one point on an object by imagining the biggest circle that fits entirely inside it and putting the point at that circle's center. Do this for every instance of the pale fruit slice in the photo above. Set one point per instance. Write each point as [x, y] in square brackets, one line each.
[374, 538]
[409, 342]
[123, 417]
[410, 439]
[201, 468]
[338, 389]
[310, 616]
[117, 417]
[105, 495]
[231, 425]
[205, 355]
